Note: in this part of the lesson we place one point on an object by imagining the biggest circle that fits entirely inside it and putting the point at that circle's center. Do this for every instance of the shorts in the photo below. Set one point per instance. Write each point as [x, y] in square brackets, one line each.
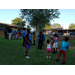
[48, 49]
[27, 46]
[55, 45]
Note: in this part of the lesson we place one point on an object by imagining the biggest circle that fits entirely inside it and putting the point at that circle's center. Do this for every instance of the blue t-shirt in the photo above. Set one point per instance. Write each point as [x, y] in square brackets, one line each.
[24, 33]
[44, 38]
[37, 38]
[64, 45]
[55, 39]
[28, 38]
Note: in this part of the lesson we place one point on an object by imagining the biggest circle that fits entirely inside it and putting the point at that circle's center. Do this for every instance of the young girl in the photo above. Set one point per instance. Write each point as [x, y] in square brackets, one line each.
[48, 47]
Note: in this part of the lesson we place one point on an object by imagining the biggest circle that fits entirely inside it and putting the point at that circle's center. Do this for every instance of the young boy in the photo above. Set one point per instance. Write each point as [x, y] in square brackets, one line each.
[27, 43]
[64, 47]
[55, 45]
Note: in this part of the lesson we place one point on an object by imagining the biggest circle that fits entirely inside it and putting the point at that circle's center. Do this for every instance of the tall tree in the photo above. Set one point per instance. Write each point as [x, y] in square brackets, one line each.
[18, 21]
[39, 17]
[56, 26]
[72, 26]
[28, 27]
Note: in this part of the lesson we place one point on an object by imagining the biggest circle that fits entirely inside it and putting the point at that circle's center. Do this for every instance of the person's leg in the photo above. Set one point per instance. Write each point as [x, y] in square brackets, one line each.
[23, 41]
[59, 54]
[9, 36]
[28, 46]
[56, 45]
[38, 44]
[64, 56]
[5, 36]
[47, 55]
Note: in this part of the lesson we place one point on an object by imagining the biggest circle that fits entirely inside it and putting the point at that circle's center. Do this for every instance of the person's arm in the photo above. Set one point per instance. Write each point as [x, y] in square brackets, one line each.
[68, 46]
[27, 40]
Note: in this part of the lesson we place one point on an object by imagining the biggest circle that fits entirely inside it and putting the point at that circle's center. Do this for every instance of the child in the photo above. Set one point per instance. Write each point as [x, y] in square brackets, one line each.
[27, 43]
[48, 47]
[17, 35]
[34, 39]
[55, 45]
[64, 47]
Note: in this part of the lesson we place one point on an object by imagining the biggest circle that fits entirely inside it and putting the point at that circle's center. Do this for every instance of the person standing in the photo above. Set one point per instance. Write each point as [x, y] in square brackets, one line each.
[9, 32]
[48, 48]
[5, 33]
[55, 45]
[40, 43]
[27, 43]
[24, 36]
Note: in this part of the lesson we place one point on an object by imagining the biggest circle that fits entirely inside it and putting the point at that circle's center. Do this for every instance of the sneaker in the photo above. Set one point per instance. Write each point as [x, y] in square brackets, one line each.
[27, 57]
[49, 56]
[46, 56]
[63, 62]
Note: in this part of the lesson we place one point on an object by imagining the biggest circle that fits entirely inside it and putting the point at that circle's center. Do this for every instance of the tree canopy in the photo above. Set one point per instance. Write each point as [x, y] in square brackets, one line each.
[56, 26]
[18, 21]
[72, 26]
[39, 17]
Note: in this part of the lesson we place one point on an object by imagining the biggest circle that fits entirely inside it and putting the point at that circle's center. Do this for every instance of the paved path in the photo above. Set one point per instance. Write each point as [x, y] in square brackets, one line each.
[69, 46]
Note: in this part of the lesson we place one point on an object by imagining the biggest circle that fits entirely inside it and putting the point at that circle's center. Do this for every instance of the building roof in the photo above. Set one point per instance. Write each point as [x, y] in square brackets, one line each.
[6, 25]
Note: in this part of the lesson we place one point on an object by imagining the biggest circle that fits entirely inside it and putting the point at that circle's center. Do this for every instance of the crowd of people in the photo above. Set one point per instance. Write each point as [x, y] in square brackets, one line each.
[27, 41]
[9, 33]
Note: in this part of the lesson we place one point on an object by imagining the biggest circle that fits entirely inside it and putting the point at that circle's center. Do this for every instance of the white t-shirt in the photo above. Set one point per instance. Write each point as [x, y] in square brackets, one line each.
[49, 45]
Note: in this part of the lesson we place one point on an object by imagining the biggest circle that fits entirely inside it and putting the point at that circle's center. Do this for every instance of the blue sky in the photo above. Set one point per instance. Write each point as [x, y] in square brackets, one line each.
[66, 17]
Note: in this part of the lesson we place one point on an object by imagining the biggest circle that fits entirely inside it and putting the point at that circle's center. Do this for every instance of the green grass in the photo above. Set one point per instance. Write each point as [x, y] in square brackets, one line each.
[12, 53]
[72, 42]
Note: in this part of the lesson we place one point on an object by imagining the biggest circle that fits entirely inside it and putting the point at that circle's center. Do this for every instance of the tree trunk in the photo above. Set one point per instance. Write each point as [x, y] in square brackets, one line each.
[37, 30]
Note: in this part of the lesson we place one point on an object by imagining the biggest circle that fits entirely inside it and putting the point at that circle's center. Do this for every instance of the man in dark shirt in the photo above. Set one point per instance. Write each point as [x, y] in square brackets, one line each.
[40, 42]
[5, 33]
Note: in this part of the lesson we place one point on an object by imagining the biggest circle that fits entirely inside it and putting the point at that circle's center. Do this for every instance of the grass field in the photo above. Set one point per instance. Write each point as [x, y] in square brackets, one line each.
[12, 53]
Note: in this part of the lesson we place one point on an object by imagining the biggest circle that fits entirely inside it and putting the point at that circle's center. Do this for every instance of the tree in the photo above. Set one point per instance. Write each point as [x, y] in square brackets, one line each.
[56, 26]
[28, 27]
[72, 26]
[39, 17]
[18, 21]
[47, 27]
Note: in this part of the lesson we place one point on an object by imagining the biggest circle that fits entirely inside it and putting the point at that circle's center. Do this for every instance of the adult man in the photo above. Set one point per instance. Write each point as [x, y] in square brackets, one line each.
[40, 40]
